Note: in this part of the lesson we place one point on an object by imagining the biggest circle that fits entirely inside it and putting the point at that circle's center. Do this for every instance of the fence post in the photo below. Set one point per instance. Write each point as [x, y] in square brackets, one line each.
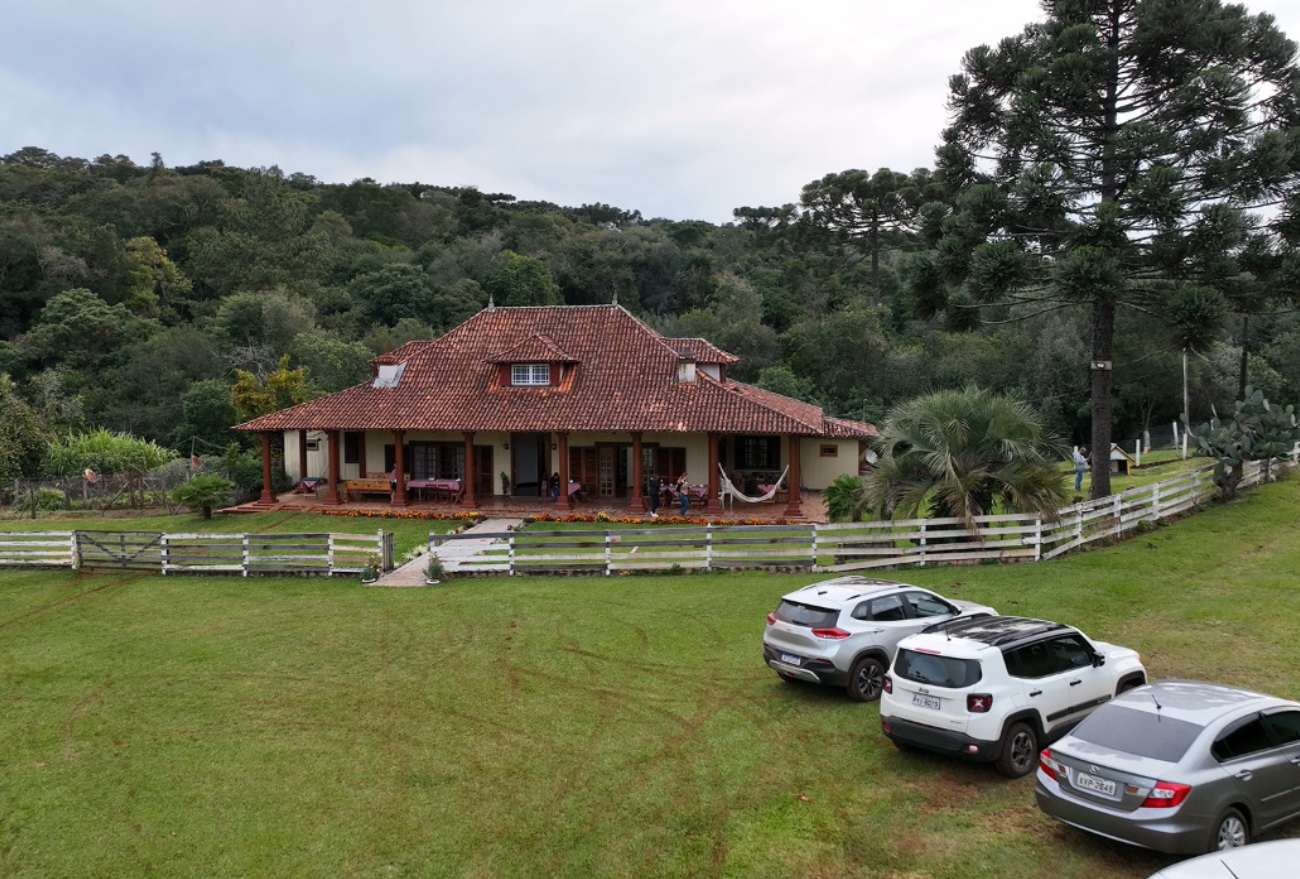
[510, 557]
[923, 539]
[248, 555]
[1155, 502]
[163, 551]
[609, 546]
[1038, 537]
[708, 547]
[329, 554]
[813, 565]
[1116, 509]
[75, 546]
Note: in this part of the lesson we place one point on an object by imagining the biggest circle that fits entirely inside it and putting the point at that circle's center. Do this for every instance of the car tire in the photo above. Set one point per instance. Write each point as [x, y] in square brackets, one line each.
[1230, 831]
[1128, 685]
[1019, 753]
[866, 680]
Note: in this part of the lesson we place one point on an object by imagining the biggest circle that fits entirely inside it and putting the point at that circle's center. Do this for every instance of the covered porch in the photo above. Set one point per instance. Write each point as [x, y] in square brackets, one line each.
[522, 473]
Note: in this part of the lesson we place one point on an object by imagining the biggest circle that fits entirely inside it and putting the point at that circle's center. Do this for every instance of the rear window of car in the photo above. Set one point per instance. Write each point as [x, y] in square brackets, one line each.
[1141, 733]
[806, 615]
[941, 671]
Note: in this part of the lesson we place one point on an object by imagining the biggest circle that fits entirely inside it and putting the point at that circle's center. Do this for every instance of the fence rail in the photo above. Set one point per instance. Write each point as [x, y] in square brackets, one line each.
[858, 546]
[38, 549]
[245, 554]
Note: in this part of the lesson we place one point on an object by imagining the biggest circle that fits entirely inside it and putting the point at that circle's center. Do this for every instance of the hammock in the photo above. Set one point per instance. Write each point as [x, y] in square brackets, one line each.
[729, 489]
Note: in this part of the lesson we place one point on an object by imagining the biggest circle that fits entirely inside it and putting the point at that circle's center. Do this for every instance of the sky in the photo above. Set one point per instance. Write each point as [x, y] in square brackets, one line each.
[682, 109]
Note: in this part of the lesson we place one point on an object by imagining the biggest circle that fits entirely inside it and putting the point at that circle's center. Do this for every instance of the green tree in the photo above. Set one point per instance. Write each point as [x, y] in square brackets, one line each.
[523, 281]
[204, 492]
[1118, 156]
[862, 214]
[961, 452]
[283, 387]
[24, 436]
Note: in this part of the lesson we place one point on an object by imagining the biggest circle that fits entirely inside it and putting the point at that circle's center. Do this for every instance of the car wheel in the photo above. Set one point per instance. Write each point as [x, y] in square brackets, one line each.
[1019, 754]
[866, 680]
[1230, 831]
[1127, 685]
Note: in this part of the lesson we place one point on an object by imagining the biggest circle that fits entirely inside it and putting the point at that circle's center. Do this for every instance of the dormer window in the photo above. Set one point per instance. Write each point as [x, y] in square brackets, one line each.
[530, 374]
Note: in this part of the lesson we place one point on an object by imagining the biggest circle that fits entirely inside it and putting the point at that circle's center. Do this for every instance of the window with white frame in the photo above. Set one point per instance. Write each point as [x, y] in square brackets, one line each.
[530, 374]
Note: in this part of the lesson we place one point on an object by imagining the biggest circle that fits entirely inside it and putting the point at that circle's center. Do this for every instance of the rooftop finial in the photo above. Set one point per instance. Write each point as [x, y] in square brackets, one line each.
[492, 306]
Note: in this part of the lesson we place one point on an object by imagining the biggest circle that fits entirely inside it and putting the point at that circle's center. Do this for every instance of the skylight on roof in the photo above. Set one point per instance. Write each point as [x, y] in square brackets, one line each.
[389, 375]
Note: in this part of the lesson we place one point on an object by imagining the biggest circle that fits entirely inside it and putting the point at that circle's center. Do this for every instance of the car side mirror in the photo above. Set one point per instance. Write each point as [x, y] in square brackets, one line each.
[1098, 660]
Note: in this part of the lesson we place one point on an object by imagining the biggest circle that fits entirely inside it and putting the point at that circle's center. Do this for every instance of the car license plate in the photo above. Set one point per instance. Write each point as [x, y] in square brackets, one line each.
[790, 659]
[1097, 785]
[931, 702]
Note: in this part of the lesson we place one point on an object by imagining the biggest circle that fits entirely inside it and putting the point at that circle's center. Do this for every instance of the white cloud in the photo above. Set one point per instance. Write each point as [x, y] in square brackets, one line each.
[676, 108]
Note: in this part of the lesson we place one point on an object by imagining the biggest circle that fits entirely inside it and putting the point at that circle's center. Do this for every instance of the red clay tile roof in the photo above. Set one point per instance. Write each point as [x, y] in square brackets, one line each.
[624, 379]
[537, 348]
[703, 350]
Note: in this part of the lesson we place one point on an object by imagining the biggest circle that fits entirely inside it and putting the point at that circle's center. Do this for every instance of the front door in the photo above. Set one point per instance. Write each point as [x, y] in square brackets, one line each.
[484, 487]
[527, 456]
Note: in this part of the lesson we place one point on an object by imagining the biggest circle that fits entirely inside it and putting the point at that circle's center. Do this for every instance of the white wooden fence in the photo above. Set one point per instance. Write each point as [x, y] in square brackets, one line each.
[38, 549]
[245, 554]
[1023, 537]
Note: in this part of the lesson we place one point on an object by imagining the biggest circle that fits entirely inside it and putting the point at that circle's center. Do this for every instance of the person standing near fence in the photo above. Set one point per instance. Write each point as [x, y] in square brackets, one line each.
[653, 488]
[1080, 466]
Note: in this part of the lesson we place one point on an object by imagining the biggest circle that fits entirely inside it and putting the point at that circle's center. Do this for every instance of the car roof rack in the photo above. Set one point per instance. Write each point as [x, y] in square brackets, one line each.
[1000, 631]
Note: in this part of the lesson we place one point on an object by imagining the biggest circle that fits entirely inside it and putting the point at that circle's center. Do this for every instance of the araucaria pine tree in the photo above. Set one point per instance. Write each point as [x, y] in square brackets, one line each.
[1125, 157]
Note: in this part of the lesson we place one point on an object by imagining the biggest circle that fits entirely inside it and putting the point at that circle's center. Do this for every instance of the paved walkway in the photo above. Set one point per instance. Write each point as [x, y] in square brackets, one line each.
[412, 573]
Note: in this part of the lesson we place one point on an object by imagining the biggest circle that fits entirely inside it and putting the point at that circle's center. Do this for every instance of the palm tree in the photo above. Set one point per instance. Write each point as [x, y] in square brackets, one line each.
[962, 452]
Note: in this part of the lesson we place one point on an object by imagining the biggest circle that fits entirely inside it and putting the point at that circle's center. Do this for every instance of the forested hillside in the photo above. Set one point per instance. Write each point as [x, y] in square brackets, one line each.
[130, 294]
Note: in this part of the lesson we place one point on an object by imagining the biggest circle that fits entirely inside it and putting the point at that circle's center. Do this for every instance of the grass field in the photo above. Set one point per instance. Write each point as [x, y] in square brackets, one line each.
[559, 726]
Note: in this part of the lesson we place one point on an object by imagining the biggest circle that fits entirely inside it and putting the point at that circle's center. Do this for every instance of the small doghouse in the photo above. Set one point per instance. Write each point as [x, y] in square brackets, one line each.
[1121, 462]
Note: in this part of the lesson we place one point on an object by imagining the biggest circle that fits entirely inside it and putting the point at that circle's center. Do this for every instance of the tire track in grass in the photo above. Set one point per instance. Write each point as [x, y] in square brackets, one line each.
[71, 599]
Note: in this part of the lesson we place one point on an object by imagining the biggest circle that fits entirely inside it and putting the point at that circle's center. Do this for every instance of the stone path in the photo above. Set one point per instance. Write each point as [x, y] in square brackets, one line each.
[412, 573]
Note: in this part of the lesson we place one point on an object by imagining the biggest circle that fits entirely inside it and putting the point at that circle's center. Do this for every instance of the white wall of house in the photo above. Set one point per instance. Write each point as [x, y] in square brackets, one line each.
[822, 461]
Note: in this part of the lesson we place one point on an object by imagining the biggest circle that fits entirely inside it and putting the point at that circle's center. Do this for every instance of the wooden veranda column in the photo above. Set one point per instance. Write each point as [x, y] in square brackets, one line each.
[793, 510]
[332, 491]
[637, 504]
[562, 502]
[268, 493]
[302, 454]
[713, 504]
[399, 469]
[467, 499]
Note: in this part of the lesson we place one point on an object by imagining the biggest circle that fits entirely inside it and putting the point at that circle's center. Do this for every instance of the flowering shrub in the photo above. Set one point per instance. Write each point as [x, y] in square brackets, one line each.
[662, 520]
[464, 515]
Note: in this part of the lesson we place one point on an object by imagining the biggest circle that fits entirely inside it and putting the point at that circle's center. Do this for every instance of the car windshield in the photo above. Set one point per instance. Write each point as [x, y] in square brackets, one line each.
[941, 671]
[1141, 733]
[806, 615]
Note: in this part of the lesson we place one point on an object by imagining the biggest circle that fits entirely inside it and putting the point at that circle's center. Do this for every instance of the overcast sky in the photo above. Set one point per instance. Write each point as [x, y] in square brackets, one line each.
[682, 109]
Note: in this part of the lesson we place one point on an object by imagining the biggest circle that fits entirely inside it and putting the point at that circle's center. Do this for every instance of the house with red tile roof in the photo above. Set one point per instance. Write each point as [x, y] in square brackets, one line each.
[589, 393]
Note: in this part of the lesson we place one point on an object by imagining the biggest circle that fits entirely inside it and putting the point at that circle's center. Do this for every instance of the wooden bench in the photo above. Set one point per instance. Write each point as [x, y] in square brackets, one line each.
[366, 486]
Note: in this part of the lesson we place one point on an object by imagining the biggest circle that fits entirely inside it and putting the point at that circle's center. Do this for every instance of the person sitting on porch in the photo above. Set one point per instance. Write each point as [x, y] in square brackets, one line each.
[555, 485]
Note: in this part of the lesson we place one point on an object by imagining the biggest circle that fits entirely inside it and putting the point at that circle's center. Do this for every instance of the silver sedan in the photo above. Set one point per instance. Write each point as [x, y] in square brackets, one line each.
[1177, 766]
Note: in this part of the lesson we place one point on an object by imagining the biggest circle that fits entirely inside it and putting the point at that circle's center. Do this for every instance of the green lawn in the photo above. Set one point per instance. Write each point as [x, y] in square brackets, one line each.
[537, 727]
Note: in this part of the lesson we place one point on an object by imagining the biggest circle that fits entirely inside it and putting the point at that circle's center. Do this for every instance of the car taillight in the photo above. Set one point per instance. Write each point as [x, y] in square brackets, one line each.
[1166, 795]
[979, 703]
[887, 684]
[771, 619]
[834, 633]
[1050, 765]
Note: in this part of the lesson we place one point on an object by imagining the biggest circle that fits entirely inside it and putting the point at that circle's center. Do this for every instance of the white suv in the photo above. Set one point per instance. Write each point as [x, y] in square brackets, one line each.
[999, 688]
[843, 632]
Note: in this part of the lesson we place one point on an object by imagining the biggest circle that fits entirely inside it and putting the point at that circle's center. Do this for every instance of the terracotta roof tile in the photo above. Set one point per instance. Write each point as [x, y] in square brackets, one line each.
[537, 348]
[622, 377]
